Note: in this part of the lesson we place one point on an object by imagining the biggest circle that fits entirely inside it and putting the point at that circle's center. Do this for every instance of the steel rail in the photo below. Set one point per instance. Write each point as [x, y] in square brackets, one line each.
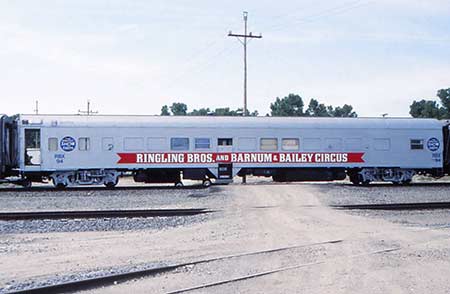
[396, 206]
[36, 215]
[97, 282]
[98, 188]
[274, 271]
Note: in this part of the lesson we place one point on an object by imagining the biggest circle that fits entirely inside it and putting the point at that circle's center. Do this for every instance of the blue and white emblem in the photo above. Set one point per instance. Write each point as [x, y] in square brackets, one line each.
[68, 144]
[433, 144]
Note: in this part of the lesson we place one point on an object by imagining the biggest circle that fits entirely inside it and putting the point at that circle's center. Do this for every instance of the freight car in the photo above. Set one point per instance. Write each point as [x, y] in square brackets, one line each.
[85, 150]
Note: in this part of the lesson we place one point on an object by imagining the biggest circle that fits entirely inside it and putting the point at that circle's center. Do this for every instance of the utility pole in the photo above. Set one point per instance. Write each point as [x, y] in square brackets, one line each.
[88, 111]
[243, 39]
[36, 107]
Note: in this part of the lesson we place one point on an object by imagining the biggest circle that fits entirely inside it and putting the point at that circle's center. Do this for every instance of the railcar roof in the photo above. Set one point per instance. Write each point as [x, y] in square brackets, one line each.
[227, 121]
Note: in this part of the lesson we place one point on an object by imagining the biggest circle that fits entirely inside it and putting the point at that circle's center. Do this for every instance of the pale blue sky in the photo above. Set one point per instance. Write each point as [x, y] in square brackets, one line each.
[131, 57]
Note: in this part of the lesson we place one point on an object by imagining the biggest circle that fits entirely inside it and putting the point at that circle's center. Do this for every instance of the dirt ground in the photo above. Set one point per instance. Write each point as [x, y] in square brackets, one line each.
[375, 255]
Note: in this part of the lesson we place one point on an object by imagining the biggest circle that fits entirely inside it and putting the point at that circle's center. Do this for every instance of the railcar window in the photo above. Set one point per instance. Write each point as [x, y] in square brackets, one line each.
[179, 143]
[225, 142]
[32, 138]
[133, 144]
[246, 144]
[290, 144]
[157, 144]
[32, 147]
[52, 144]
[83, 144]
[311, 144]
[382, 144]
[268, 144]
[416, 144]
[202, 143]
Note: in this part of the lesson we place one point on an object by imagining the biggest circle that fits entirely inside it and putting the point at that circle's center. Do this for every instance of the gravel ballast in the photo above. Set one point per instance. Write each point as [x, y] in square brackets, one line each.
[347, 194]
[47, 199]
[94, 198]
[101, 224]
[13, 286]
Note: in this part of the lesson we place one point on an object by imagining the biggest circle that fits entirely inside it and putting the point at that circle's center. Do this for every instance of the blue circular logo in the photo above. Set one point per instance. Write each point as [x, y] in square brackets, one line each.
[68, 143]
[433, 144]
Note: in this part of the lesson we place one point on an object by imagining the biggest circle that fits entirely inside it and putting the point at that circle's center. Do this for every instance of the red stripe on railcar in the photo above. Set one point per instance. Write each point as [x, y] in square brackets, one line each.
[240, 157]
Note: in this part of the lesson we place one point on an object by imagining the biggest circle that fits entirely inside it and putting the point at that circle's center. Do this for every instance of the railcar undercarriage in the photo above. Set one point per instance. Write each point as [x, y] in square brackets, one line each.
[109, 178]
[173, 176]
[394, 175]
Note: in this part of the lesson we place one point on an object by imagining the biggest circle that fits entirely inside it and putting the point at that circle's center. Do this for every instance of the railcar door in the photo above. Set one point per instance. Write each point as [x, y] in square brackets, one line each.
[3, 145]
[447, 149]
[32, 154]
[225, 168]
[8, 146]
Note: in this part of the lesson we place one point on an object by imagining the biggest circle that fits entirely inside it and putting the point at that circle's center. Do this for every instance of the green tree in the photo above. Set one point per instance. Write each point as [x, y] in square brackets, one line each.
[254, 113]
[431, 108]
[178, 108]
[165, 110]
[291, 105]
[317, 109]
[224, 112]
[200, 112]
[426, 109]
[344, 111]
[444, 95]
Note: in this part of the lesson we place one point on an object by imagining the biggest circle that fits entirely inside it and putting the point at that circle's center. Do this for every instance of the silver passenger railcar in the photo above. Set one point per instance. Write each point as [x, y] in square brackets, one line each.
[74, 149]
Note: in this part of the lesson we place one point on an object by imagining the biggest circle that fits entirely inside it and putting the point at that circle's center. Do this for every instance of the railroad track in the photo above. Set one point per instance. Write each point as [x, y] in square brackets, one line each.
[274, 271]
[97, 188]
[396, 206]
[36, 215]
[108, 280]
[82, 214]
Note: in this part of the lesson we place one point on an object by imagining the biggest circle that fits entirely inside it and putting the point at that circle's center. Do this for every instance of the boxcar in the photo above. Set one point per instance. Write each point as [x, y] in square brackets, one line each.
[74, 149]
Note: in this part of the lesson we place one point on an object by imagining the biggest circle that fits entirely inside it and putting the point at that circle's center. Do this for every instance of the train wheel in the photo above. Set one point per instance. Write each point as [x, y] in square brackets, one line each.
[206, 183]
[60, 186]
[110, 185]
[355, 182]
[26, 184]
[356, 179]
[365, 183]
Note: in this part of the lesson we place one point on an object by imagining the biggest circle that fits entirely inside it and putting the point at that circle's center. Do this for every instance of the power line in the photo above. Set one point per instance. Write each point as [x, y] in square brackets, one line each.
[243, 39]
[198, 68]
[197, 62]
[336, 10]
